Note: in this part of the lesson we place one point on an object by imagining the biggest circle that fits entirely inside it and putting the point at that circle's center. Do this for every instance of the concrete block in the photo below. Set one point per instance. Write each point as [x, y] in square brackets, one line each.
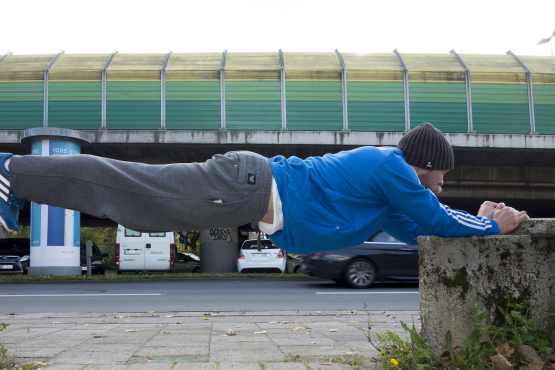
[456, 273]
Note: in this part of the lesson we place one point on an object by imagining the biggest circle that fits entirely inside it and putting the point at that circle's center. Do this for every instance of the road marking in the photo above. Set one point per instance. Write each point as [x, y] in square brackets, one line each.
[67, 295]
[367, 292]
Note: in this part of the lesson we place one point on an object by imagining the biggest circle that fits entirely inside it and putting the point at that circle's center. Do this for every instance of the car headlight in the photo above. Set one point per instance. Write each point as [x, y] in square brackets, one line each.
[24, 258]
[97, 262]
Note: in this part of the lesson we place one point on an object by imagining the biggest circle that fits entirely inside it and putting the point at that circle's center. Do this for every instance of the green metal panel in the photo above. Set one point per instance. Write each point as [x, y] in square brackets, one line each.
[314, 105]
[193, 105]
[500, 108]
[253, 105]
[133, 105]
[441, 103]
[76, 105]
[21, 105]
[376, 105]
[544, 108]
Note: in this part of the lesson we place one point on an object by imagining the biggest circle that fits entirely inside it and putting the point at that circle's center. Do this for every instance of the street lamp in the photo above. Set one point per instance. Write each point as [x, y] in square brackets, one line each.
[546, 40]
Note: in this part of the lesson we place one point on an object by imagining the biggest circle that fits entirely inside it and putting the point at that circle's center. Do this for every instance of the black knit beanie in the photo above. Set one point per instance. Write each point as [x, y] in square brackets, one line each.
[426, 147]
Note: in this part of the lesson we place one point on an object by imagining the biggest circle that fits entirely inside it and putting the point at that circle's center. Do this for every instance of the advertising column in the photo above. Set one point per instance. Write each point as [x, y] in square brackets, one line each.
[55, 232]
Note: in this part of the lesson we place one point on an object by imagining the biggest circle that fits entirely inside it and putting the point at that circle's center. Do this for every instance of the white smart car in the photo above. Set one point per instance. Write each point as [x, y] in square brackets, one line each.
[270, 258]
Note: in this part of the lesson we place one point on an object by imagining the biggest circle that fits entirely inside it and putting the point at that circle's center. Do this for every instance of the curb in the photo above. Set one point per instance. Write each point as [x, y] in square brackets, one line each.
[169, 280]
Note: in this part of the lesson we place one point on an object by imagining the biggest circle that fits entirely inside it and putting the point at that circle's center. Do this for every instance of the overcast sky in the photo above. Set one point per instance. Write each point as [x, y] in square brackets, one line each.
[100, 26]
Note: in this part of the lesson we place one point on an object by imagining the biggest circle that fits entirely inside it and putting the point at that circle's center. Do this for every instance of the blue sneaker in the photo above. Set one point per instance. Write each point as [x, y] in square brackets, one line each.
[10, 205]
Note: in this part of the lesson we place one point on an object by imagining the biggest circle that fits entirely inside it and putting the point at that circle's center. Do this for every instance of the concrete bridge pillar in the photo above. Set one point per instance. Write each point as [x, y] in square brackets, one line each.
[219, 250]
[457, 273]
[55, 234]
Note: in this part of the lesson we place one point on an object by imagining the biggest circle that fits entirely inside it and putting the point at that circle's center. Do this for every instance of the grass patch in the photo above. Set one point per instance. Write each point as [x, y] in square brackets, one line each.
[111, 275]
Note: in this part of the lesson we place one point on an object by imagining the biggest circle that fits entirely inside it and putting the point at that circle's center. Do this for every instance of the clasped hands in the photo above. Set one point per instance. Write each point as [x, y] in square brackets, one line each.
[507, 218]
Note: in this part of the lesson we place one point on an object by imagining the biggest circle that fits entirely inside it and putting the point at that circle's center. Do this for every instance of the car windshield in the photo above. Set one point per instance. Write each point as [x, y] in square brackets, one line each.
[193, 256]
[17, 247]
[264, 244]
[383, 237]
[95, 250]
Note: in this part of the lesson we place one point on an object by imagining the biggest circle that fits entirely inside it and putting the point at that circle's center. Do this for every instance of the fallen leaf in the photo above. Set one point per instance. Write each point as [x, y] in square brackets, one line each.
[113, 313]
[148, 356]
[87, 324]
[260, 332]
[152, 312]
[207, 314]
[170, 316]
[229, 332]
[99, 336]
[353, 322]
[296, 328]
[318, 311]
[306, 327]
[332, 330]
[505, 349]
[326, 363]
[167, 332]
[238, 326]
[273, 322]
[55, 322]
[391, 322]
[119, 317]
[133, 315]
[308, 333]
[285, 322]
[178, 322]
[28, 329]
[206, 318]
[295, 322]
[130, 331]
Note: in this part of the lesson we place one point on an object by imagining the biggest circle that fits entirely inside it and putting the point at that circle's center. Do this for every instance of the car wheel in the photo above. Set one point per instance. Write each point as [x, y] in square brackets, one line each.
[360, 273]
[196, 270]
[297, 270]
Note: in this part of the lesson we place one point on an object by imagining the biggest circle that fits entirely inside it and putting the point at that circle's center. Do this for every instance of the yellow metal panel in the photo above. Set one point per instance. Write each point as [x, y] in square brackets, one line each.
[371, 62]
[432, 63]
[539, 64]
[491, 63]
[436, 76]
[252, 62]
[312, 66]
[135, 67]
[194, 62]
[358, 75]
[83, 67]
[543, 78]
[24, 67]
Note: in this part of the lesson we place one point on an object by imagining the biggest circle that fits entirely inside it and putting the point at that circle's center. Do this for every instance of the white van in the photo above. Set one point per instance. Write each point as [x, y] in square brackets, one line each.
[144, 252]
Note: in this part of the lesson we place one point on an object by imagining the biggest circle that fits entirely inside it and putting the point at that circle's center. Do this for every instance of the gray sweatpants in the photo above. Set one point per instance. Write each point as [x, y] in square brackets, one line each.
[226, 191]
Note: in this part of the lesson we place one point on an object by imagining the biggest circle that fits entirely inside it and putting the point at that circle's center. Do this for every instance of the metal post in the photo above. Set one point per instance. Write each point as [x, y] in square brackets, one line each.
[468, 91]
[343, 90]
[222, 88]
[283, 98]
[103, 123]
[45, 107]
[88, 253]
[5, 55]
[163, 92]
[530, 94]
[406, 89]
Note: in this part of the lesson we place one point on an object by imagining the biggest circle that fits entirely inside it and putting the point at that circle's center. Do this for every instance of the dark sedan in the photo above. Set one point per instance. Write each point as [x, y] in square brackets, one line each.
[186, 262]
[14, 255]
[97, 260]
[381, 258]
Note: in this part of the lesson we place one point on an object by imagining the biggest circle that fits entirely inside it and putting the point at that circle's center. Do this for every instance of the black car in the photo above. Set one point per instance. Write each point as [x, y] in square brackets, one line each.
[97, 260]
[381, 258]
[186, 262]
[14, 255]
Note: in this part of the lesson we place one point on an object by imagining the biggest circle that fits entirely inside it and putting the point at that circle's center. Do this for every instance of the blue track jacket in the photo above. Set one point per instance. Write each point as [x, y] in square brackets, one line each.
[340, 200]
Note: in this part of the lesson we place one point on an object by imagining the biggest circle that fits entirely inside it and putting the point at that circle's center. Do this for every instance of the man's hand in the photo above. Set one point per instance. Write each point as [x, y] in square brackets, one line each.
[487, 208]
[507, 218]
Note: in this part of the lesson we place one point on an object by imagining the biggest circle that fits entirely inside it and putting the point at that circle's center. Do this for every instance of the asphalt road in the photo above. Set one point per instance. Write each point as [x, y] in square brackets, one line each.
[244, 295]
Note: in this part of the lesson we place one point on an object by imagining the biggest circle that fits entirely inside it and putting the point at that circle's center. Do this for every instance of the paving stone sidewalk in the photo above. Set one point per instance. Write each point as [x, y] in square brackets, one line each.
[280, 340]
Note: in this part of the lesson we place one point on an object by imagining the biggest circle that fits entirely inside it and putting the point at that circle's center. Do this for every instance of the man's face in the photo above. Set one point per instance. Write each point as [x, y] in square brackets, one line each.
[433, 180]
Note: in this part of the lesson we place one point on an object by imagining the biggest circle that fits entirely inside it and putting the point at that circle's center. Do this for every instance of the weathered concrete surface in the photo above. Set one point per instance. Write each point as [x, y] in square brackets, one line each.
[456, 273]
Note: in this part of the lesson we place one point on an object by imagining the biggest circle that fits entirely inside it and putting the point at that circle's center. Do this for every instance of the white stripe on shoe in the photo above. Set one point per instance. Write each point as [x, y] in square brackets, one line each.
[4, 197]
[4, 189]
[4, 180]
